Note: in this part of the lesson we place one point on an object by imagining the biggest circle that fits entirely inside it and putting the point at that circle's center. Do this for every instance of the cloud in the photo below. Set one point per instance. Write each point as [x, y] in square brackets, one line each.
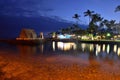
[24, 7]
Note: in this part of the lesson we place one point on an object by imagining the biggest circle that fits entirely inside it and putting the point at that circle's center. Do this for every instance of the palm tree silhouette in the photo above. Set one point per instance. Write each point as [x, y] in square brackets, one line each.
[117, 8]
[95, 18]
[76, 16]
[88, 13]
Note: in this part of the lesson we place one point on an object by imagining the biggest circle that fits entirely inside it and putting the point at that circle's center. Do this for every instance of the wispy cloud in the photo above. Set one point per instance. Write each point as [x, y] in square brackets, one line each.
[23, 7]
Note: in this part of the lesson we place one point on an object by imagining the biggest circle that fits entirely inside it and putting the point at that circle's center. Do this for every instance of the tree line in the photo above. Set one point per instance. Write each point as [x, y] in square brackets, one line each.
[96, 24]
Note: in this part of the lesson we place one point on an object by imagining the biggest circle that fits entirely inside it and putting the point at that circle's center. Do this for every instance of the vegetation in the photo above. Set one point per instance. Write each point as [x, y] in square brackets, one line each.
[97, 25]
[117, 8]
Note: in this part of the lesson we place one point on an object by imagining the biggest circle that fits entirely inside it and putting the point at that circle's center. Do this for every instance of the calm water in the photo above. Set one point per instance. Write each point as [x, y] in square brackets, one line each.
[64, 61]
[79, 50]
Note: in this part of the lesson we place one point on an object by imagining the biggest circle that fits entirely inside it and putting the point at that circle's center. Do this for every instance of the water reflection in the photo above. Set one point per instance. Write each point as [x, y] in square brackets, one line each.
[26, 50]
[115, 48]
[103, 47]
[53, 45]
[108, 48]
[118, 51]
[91, 47]
[69, 48]
[83, 45]
[100, 48]
[66, 46]
[41, 47]
[95, 49]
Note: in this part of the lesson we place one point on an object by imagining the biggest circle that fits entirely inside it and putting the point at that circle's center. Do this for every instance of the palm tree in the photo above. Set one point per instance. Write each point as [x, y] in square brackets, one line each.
[76, 16]
[117, 8]
[109, 24]
[93, 25]
[88, 13]
[96, 18]
[112, 22]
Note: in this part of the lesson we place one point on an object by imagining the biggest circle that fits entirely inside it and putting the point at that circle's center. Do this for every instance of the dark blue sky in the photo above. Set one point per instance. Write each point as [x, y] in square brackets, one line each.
[60, 10]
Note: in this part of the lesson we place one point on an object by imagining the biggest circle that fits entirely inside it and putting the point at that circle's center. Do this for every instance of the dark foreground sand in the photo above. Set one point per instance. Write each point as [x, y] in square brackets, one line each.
[56, 68]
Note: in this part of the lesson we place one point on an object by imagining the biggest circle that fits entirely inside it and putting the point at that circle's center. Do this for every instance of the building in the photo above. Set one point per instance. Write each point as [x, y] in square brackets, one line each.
[27, 34]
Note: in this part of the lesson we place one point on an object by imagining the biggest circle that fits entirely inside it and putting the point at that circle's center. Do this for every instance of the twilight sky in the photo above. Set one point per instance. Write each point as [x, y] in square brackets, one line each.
[49, 15]
[64, 9]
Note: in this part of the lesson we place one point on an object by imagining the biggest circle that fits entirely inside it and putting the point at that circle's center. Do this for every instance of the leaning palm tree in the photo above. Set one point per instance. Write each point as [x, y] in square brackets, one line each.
[88, 13]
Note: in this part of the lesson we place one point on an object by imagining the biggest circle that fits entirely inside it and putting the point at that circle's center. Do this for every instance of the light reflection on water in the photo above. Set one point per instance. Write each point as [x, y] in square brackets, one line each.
[67, 48]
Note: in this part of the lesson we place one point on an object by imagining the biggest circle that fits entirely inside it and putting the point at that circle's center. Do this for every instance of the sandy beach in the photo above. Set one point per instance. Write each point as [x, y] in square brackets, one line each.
[57, 67]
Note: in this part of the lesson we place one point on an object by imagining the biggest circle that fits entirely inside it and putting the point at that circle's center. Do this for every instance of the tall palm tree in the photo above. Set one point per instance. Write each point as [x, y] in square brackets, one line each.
[88, 13]
[94, 23]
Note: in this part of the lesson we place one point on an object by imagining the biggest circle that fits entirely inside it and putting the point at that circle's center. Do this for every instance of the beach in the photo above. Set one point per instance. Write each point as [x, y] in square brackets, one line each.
[56, 67]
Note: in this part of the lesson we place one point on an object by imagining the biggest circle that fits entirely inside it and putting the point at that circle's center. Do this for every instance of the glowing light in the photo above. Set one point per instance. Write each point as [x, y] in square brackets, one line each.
[108, 48]
[103, 47]
[115, 48]
[60, 45]
[66, 46]
[65, 36]
[97, 49]
[118, 52]
[61, 36]
[108, 34]
[83, 45]
[91, 47]
[53, 45]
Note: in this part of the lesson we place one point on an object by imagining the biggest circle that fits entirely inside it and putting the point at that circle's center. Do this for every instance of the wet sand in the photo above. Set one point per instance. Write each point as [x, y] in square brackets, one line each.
[57, 67]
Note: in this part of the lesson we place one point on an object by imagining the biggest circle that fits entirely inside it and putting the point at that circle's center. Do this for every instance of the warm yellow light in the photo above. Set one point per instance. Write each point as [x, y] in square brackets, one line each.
[115, 48]
[60, 45]
[83, 45]
[118, 52]
[103, 47]
[66, 46]
[53, 45]
[91, 47]
[97, 49]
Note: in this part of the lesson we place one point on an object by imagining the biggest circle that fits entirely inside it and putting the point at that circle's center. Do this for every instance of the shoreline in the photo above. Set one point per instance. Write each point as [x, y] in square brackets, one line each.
[42, 41]
[21, 68]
